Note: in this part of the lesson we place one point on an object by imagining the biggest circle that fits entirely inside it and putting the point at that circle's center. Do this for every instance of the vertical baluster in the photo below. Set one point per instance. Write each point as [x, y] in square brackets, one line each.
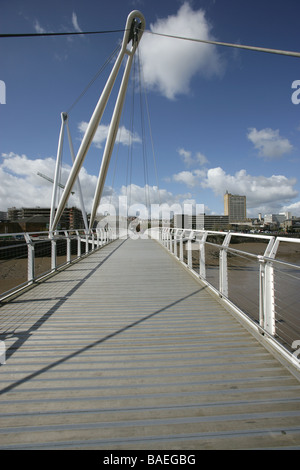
[30, 263]
[202, 264]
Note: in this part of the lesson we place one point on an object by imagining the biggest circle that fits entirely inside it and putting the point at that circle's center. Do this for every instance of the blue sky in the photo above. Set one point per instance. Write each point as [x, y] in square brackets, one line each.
[221, 118]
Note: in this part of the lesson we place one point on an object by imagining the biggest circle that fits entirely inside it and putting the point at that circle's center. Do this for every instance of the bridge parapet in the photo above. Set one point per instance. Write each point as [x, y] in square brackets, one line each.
[256, 275]
[28, 257]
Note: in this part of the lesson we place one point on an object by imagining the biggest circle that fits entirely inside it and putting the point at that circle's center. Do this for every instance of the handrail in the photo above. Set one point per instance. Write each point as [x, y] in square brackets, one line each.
[34, 245]
[262, 289]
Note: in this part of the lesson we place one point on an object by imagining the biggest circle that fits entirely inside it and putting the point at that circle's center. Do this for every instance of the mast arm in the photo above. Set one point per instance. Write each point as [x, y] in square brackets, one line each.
[131, 33]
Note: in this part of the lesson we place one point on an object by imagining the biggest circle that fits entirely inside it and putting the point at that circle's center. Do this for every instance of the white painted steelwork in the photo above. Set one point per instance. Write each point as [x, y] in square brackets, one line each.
[134, 29]
[127, 350]
[267, 322]
[94, 240]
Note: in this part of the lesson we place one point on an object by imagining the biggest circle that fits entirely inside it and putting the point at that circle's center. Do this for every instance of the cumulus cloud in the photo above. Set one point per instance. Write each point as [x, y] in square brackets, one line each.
[186, 156]
[269, 143]
[170, 64]
[261, 191]
[264, 194]
[161, 201]
[294, 208]
[190, 178]
[201, 159]
[21, 186]
[189, 160]
[124, 136]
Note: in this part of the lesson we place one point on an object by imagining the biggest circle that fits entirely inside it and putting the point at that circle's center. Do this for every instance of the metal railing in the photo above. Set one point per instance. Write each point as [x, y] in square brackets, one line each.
[28, 257]
[257, 275]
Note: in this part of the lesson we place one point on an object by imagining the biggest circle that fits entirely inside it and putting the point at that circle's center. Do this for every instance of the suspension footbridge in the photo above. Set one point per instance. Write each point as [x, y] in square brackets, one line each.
[168, 339]
[128, 349]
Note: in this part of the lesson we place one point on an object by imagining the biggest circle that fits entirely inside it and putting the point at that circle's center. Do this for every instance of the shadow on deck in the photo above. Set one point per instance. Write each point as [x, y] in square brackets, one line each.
[126, 350]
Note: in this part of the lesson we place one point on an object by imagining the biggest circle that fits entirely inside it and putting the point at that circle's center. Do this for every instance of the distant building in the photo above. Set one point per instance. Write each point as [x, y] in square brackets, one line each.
[36, 223]
[277, 219]
[201, 222]
[292, 224]
[180, 221]
[71, 218]
[235, 207]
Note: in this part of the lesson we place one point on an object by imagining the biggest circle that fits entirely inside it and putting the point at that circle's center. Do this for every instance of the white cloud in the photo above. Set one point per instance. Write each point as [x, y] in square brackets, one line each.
[38, 28]
[186, 156]
[201, 159]
[189, 160]
[124, 136]
[75, 23]
[293, 208]
[20, 185]
[190, 178]
[263, 193]
[162, 202]
[269, 143]
[170, 64]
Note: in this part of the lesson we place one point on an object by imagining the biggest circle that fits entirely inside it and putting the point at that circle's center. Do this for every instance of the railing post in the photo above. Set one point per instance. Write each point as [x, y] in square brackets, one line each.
[68, 240]
[78, 244]
[175, 242]
[93, 240]
[166, 238]
[98, 237]
[30, 263]
[53, 251]
[223, 270]
[181, 246]
[189, 250]
[202, 265]
[170, 240]
[269, 299]
[86, 242]
[267, 289]
[163, 236]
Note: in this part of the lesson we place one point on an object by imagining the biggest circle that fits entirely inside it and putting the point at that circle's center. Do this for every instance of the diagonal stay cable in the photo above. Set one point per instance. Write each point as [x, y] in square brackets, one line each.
[108, 60]
[143, 89]
[205, 41]
[228, 44]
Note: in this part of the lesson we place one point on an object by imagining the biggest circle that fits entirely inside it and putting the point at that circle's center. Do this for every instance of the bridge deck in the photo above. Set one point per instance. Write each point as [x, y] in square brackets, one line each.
[126, 350]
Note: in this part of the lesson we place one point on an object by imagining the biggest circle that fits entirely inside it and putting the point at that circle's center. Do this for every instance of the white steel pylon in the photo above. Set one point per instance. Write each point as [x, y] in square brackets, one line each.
[134, 29]
[56, 184]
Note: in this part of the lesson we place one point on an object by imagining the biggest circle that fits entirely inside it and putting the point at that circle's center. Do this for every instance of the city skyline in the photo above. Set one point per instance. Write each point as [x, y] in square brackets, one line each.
[221, 118]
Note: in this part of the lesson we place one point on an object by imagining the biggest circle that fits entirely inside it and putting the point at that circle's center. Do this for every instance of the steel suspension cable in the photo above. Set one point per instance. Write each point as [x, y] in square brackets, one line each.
[130, 151]
[108, 60]
[228, 44]
[143, 88]
[145, 165]
[217, 43]
[73, 33]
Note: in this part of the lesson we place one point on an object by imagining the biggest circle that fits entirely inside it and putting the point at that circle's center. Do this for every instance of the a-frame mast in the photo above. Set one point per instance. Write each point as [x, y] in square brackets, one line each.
[134, 29]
